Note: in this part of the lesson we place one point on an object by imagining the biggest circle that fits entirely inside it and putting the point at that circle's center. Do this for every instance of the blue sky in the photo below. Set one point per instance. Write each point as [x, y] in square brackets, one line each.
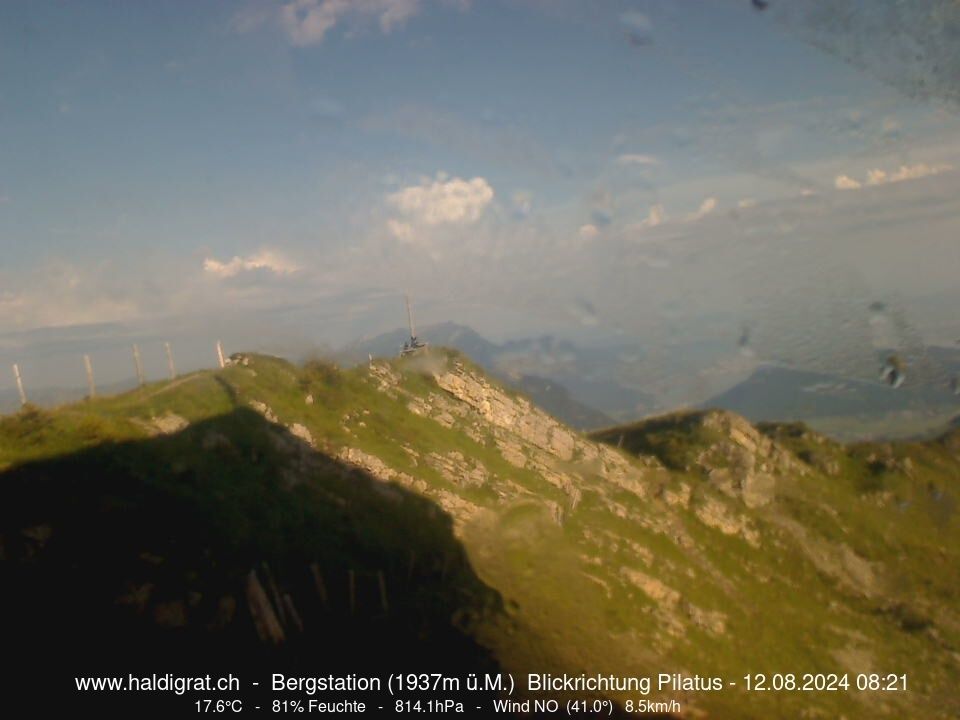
[164, 160]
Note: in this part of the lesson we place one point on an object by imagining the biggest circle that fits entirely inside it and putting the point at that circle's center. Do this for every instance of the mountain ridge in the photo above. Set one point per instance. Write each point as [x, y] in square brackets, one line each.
[702, 544]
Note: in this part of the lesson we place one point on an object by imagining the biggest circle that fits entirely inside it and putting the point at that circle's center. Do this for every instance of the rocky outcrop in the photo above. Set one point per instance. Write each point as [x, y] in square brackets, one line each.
[744, 463]
[516, 415]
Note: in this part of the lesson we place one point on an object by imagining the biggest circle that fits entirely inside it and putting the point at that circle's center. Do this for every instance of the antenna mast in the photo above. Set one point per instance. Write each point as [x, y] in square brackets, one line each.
[413, 344]
[413, 332]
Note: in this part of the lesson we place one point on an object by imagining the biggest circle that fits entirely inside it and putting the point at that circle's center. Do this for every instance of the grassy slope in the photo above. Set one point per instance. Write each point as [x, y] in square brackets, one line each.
[566, 604]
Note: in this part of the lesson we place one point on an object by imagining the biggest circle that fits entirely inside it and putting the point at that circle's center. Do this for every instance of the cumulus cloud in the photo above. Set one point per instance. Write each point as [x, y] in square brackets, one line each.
[588, 232]
[264, 260]
[637, 159]
[656, 216]
[443, 200]
[878, 176]
[845, 182]
[307, 22]
[905, 172]
[401, 230]
[706, 207]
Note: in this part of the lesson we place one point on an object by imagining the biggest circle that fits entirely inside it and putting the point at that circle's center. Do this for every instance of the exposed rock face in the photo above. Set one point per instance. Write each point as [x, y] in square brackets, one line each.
[455, 468]
[264, 410]
[379, 469]
[714, 513]
[745, 463]
[302, 432]
[516, 415]
[527, 437]
[169, 424]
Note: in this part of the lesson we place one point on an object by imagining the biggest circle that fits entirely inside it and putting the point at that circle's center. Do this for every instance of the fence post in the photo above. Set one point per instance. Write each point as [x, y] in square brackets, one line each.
[173, 368]
[91, 385]
[383, 591]
[16, 374]
[318, 581]
[138, 364]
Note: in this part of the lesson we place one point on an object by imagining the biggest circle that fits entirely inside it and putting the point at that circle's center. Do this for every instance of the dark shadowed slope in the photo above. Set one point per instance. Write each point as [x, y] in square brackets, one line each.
[229, 545]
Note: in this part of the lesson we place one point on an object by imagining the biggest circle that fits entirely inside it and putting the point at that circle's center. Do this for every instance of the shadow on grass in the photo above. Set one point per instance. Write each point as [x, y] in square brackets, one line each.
[231, 546]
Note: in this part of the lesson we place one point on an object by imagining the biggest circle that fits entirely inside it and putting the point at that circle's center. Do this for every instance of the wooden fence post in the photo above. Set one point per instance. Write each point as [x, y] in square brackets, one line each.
[381, 580]
[91, 385]
[170, 365]
[318, 581]
[16, 374]
[138, 365]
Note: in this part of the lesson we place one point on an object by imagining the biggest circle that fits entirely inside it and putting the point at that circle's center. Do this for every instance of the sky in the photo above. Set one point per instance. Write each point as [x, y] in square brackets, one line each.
[280, 173]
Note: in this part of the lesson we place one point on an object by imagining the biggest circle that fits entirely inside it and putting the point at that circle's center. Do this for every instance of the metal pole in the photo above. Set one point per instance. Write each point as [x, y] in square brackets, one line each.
[223, 363]
[16, 374]
[173, 368]
[90, 383]
[138, 364]
[413, 332]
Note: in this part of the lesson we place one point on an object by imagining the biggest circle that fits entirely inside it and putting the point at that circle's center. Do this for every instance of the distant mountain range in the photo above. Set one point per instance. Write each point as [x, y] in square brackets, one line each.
[594, 385]
[582, 385]
[574, 383]
[53, 396]
[841, 406]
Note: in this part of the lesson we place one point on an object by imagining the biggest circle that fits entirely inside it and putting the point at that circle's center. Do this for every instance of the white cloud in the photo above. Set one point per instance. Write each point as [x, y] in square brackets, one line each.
[637, 159]
[656, 216]
[914, 172]
[401, 230]
[443, 200]
[746, 203]
[845, 182]
[588, 232]
[706, 207]
[307, 22]
[878, 176]
[263, 260]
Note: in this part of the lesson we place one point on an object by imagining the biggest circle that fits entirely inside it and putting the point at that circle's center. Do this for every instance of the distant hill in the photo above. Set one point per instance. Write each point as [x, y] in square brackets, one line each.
[778, 393]
[53, 396]
[555, 399]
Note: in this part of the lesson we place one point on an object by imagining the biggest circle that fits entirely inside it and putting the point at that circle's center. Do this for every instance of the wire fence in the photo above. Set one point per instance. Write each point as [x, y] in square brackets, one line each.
[61, 376]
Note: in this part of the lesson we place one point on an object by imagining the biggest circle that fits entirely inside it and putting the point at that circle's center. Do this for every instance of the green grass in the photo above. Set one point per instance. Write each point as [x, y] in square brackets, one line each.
[539, 594]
